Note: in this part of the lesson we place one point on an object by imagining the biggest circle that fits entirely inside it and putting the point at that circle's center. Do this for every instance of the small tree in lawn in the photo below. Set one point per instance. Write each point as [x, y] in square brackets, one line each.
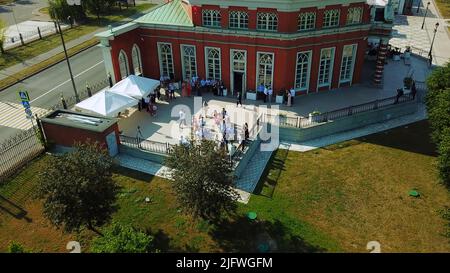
[122, 239]
[444, 157]
[78, 189]
[203, 179]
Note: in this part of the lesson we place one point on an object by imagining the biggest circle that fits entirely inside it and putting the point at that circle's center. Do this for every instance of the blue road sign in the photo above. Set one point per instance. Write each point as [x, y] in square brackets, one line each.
[26, 104]
[28, 112]
[23, 95]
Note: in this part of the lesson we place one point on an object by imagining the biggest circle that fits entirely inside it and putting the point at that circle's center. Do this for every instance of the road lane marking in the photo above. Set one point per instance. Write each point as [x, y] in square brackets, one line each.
[56, 87]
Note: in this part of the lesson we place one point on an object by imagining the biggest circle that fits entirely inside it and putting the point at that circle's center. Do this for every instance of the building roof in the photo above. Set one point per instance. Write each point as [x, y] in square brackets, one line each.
[172, 13]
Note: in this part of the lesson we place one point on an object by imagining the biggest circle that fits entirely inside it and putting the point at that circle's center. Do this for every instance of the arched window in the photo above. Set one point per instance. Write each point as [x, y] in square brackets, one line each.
[123, 65]
[136, 57]
[165, 60]
[211, 17]
[239, 60]
[302, 70]
[265, 69]
[238, 19]
[326, 66]
[348, 63]
[213, 63]
[267, 21]
[354, 15]
[331, 18]
[189, 61]
[306, 21]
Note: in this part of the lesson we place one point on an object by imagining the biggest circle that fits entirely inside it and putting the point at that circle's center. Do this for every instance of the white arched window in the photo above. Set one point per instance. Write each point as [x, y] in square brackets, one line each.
[354, 15]
[238, 19]
[136, 57]
[165, 59]
[306, 21]
[123, 65]
[189, 61]
[213, 63]
[267, 21]
[265, 69]
[302, 70]
[331, 18]
[211, 17]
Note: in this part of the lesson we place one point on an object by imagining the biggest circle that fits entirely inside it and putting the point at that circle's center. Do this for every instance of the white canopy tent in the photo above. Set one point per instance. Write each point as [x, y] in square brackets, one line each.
[135, 86]
[106, 103]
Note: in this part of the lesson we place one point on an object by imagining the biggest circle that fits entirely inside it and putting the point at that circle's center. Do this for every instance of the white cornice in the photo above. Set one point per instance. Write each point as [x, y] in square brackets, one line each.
[280, 5]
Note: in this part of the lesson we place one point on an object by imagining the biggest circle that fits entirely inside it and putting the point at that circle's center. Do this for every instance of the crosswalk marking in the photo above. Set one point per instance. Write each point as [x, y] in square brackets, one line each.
[13, 115]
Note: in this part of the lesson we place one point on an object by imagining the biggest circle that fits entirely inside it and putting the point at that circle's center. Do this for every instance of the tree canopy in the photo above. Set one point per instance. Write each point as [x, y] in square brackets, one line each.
[122, 239]
[203, 179]
[78, 189]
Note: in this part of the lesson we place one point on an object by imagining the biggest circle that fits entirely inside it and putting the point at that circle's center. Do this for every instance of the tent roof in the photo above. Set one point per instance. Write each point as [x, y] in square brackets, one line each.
[107, 103]
[171, 13]
[135, 86]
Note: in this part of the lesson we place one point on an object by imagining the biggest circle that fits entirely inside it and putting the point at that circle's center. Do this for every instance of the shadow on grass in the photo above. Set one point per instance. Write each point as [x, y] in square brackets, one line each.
[244, 235]
[136, 175]
[271, 175]
[13, 209]
[413, 138]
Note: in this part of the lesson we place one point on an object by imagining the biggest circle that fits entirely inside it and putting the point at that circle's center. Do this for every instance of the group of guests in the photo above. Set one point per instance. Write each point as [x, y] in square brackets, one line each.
[198, 86]
[148, 103]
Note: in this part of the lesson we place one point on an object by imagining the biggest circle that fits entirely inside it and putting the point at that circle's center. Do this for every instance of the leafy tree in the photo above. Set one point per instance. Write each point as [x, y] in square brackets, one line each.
[438, 80]
[59, 9]
[203, 180]
[439, 114]
[122, 239]
[3, 27]
[15, 247]
[78, 188]
[444, 157]
[98, 7]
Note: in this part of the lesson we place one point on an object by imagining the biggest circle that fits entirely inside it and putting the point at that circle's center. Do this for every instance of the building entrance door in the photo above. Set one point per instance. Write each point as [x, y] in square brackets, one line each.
[238, 82]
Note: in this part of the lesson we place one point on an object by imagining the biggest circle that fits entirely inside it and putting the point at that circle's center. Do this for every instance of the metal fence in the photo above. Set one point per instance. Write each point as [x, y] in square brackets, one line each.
[83, 94]
[17, 151]
[314, 119]
[146, 145]
[23, 37]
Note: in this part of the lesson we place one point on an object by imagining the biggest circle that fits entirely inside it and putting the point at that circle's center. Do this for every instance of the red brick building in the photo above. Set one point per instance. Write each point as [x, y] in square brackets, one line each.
[305, 44]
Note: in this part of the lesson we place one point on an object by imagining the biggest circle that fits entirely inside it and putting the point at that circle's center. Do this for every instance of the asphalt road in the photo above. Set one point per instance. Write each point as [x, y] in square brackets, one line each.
[21, 9]
[46, 87]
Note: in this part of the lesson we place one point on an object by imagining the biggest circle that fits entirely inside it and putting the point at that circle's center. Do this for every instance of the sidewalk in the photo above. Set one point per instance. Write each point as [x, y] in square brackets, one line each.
[407, 32]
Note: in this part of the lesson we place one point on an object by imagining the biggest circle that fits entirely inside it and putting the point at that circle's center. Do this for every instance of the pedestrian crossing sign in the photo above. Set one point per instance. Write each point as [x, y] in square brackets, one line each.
[26, 104]
[23, 95]
[28, 112]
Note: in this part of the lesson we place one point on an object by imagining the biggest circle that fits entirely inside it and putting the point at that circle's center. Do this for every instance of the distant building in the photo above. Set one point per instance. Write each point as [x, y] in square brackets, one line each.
[305, 44]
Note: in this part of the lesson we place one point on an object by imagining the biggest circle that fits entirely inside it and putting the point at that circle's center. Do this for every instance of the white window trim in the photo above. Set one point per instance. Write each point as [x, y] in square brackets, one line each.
[139, 59]
[160, 57]
[257, 66]
[267, 15]
[244, 80]
[338, 18]
[308, 74]
[127, 64]
[306, 13]
[182, 58]
[352, 69]
[206, 61]
[239, 22]
[331, 68]
[361, 12]
[210, 15]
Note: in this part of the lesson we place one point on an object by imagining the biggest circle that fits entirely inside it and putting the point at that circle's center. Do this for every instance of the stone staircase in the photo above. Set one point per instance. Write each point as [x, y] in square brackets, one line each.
[250, 177]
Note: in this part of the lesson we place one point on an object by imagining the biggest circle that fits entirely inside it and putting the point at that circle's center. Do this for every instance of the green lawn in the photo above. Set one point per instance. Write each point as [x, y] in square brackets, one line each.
[444, 8]
[333, 199]
[30, 50]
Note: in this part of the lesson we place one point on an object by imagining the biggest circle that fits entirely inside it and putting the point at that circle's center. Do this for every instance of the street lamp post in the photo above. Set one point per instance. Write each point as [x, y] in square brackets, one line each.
[418, 6]
[430, 56]
[77, 98]
[425, 15]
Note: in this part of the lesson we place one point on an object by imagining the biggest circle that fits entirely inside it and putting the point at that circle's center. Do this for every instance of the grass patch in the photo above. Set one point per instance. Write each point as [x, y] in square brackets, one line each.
[333, 199]
[444, 8]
